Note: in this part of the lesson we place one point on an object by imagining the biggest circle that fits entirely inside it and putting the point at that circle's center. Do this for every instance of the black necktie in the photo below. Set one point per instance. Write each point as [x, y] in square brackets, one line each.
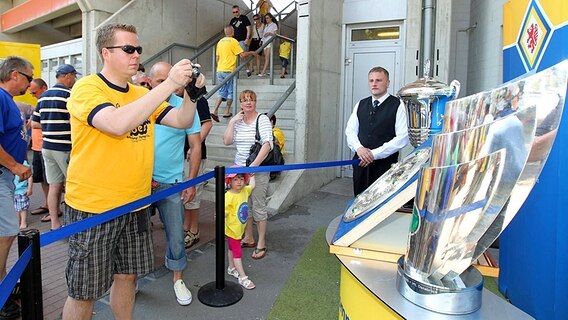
[374, 109]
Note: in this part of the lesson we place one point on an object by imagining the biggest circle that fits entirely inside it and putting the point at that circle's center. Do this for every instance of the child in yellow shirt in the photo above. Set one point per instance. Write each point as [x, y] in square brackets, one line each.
[236, 215]
[285, 48]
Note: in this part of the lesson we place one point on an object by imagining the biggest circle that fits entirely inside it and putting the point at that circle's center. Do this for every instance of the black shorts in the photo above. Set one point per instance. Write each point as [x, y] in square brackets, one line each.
[38, 167]
[254, 45]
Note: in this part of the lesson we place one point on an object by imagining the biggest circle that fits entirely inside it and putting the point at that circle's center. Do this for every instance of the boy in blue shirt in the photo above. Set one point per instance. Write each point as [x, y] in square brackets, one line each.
[22, 195]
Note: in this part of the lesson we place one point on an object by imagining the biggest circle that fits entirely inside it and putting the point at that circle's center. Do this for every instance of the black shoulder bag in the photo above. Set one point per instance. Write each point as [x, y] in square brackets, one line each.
[274, 156]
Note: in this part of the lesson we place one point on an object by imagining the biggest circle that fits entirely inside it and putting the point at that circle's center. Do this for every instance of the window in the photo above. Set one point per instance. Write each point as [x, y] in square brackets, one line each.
[382, 33]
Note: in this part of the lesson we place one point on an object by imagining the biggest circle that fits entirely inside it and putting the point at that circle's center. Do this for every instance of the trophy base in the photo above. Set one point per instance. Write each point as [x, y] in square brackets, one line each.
[441, 299]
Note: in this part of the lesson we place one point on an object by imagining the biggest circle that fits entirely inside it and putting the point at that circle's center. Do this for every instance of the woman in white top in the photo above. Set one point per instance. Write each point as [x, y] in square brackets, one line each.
[241, 131]
[257, 32]
[270, 29]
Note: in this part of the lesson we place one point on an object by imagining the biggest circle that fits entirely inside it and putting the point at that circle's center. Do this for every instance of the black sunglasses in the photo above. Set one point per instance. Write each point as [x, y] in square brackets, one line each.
[27, 77]
[128, 48]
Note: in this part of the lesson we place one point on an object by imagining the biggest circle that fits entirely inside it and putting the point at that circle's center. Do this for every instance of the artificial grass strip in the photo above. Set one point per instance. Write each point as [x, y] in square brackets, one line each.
[312, 291]
[491, 285]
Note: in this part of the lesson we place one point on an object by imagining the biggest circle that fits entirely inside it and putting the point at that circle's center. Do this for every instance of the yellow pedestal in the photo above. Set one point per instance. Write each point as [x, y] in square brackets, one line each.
[357, 302]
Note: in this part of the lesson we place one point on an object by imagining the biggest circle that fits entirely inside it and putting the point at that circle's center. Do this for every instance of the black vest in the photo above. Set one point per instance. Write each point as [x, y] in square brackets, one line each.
[377, 126]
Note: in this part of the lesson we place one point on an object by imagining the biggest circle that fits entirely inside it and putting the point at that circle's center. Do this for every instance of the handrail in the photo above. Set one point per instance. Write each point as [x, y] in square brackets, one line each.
[207, 44]
[244, 64]
[282, 98]
[212, 41]
[279, 13]
[168, 48]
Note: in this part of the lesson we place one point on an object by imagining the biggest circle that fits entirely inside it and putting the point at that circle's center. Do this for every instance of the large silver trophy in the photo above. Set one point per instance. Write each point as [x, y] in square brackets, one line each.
[481, 168]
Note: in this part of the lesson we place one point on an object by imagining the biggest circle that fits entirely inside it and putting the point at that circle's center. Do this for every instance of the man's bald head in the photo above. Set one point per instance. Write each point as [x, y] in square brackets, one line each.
[229, 31]
[159, 73]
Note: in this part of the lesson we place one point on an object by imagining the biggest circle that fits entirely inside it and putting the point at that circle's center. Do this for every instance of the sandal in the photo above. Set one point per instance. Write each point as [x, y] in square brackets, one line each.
[246, 283]
[215, 117]
[232, 271]
[259, 253]
[248, 244]
[38, 211]
[47, 217]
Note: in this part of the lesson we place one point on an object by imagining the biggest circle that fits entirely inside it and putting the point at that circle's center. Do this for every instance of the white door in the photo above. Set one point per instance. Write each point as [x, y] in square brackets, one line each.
[360, 57]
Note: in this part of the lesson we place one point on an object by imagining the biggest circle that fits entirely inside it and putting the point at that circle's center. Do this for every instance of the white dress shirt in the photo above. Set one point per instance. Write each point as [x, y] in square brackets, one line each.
[389, 147]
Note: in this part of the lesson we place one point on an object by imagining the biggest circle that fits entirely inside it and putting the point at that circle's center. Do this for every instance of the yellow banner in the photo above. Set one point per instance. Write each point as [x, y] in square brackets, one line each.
[31, 52]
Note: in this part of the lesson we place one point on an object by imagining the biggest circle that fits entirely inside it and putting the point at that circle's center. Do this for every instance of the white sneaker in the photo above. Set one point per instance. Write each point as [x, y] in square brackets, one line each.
[183, 295]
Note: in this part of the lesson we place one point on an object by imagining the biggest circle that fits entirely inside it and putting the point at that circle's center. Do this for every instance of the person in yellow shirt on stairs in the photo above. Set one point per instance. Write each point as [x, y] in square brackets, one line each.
[285, 48]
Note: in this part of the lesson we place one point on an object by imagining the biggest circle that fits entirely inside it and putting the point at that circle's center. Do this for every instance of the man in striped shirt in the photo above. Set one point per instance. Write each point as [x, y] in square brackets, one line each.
[52, 117]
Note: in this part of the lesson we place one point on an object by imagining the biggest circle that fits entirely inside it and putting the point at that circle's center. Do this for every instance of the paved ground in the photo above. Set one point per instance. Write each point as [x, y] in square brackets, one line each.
[288, 234]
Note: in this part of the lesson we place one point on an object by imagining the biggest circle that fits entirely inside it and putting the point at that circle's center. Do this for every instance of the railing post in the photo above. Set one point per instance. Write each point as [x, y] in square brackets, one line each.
[272, 60]
[235, 94]
[220, 226]
[213, 70]
[293, 45]
[32, 297]
[220, 293]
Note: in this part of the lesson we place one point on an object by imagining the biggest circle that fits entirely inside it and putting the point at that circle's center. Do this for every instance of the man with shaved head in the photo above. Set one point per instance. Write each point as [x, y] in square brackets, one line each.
[168, 171]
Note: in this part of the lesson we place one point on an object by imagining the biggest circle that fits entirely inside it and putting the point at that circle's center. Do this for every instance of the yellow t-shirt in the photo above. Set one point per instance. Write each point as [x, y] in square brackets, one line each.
[279, 135]
[107, 171]
[285, 49]
[264, 7]
[227, 50]
[236, 212]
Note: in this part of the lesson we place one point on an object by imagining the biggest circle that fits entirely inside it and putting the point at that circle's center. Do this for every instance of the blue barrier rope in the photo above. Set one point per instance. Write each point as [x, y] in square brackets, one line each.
[96, 219]
[288, 167]
[64, 232]
[68, 230]
[15, 273]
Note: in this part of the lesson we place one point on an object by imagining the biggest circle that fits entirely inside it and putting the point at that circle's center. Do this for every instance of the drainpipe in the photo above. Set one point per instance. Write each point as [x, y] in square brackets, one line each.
[427, 41]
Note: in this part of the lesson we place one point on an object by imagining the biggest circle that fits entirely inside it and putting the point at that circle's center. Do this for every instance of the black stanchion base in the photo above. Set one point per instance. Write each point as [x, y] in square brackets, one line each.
[213, 297]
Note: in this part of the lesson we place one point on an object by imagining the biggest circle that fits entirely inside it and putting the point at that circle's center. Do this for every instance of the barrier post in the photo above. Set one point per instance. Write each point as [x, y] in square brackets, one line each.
[32, 297]
[220, 293]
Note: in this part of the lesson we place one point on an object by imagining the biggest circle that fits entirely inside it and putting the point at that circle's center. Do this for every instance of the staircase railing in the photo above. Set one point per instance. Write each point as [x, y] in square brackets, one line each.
[282, 98]
[244, 63]
[212, 41]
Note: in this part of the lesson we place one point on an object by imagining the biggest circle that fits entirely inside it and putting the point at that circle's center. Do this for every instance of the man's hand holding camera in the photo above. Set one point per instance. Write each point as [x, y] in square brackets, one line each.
[182, 73]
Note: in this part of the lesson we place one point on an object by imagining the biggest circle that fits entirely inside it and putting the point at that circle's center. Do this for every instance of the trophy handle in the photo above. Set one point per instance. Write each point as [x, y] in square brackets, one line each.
[455, 86]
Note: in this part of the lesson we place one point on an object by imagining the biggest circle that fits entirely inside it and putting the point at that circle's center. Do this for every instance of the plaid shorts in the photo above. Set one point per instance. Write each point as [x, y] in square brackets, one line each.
[21, 202]
[119, 246]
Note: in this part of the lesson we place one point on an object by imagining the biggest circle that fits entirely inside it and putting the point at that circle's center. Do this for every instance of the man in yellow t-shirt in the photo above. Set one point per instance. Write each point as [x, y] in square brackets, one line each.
[112, 132]
[228, 49]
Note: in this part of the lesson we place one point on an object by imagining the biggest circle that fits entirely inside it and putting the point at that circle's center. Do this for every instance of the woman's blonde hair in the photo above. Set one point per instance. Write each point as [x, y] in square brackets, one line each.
[247, 94]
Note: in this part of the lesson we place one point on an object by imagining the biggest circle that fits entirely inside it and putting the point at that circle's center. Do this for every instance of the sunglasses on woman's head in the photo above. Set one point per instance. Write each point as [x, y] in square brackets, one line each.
[128, 48]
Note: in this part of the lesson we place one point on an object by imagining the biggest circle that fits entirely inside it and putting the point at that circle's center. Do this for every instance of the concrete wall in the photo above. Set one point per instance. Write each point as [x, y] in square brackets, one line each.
[485, 63]
[442, 54]
[41, 34]
[162, 22]
[318, 84]
[459, 43]
[442, 41]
